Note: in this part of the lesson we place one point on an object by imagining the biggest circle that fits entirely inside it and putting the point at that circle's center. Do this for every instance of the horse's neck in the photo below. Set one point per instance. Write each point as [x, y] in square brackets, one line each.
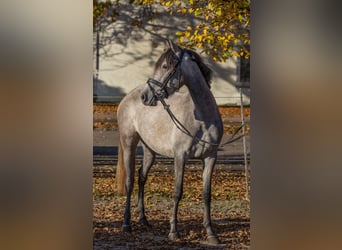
[202, 98]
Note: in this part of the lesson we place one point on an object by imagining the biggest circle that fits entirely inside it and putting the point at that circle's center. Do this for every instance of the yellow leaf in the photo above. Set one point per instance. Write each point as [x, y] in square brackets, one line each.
[198, 12]
[219, 12]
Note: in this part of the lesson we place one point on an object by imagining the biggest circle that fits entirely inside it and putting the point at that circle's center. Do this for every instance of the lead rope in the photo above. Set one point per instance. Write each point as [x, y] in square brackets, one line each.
[183, 129]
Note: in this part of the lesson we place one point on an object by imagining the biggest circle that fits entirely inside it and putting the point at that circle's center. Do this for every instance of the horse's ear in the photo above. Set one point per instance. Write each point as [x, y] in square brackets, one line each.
[174, 47]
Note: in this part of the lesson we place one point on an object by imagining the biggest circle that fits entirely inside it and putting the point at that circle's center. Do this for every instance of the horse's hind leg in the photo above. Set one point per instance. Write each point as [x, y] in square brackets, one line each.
[129, 144]
[148, 161]
[209, 163]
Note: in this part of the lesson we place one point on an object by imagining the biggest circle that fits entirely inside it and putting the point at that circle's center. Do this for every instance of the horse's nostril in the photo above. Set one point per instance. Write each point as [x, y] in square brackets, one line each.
[143, 97]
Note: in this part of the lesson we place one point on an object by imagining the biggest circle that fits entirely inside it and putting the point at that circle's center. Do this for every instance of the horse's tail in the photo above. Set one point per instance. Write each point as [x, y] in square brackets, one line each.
[120, 177]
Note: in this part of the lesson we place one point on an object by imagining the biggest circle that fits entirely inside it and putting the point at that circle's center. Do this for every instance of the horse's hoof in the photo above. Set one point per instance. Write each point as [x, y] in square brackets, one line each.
[173, 236]
[213, 240]
[126, 229]
[144, 222]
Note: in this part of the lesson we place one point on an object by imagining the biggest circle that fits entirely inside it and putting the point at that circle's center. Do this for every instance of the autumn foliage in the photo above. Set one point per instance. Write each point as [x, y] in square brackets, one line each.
[222, 28]
[104, 13]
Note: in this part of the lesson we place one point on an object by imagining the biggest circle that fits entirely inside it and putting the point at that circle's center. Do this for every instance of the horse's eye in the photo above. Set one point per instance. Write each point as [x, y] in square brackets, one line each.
[164, 66]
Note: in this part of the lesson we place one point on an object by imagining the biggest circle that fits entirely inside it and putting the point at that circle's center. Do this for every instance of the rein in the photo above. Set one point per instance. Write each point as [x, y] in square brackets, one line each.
[183, 129]
[161, 94]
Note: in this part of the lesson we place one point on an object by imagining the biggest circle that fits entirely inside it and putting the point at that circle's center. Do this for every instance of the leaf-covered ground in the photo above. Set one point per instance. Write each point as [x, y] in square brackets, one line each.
[230, 211]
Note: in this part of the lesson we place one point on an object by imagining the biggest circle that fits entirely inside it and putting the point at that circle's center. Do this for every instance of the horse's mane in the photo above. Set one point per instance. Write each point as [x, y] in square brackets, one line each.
[168, 56]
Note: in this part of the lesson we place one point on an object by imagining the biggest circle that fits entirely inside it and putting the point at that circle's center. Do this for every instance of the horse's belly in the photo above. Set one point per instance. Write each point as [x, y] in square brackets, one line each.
[159, 143]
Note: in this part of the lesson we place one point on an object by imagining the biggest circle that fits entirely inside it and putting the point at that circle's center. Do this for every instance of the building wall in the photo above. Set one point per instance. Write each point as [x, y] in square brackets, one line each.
[128, 54]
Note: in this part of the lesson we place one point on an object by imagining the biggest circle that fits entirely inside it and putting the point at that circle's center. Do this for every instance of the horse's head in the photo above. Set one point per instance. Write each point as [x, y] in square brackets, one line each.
[169, 74]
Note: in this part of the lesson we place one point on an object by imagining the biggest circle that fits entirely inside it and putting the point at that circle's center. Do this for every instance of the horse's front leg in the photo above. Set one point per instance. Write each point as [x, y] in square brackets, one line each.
[148, 160]
[178, 192]
[209, 164]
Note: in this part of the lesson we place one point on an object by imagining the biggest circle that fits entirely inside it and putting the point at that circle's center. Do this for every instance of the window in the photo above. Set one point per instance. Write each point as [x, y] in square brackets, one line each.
[244, 70]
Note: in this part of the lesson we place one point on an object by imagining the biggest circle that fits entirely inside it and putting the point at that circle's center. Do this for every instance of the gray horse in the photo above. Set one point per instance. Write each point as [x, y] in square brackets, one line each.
[174, 114]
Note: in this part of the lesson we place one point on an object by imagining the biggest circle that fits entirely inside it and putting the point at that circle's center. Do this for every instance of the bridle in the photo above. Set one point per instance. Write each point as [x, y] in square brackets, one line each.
[162, 91]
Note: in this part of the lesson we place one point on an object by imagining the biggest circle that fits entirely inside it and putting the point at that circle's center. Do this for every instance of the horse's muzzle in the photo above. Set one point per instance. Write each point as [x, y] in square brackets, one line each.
[148, 101]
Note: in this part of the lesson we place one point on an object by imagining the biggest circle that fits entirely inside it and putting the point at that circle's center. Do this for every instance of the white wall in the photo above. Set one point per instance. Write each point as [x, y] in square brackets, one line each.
[132, 52]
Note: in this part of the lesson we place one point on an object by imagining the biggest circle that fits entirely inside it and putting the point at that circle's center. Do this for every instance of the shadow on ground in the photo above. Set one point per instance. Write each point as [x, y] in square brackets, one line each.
[232, 233]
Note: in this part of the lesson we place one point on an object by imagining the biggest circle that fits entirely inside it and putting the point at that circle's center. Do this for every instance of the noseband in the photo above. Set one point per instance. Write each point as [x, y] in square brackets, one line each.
[161, 92]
